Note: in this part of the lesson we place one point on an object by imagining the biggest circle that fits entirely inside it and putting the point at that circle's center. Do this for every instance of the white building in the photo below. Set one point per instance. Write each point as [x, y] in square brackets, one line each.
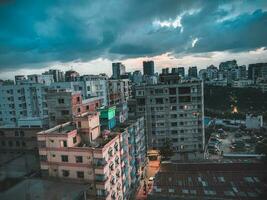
[242, 83]
[88, 85]
[23, 101]
[173, 110]
[217, 82]
[119, 91]
[254, 121]
[263, 86]
[137, 77]
[46, 79]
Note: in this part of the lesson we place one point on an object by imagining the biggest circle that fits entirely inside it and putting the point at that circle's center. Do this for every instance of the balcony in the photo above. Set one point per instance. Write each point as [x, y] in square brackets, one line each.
[102, 194]
[101, 178]
[100, 163]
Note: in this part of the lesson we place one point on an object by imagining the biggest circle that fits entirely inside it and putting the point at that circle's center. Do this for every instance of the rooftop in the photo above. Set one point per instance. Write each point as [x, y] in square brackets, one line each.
[44, 189]
[60, 129]
[211, 180]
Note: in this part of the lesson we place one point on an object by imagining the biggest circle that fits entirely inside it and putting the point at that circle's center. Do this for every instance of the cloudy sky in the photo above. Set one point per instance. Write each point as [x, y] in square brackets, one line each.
[87, 36]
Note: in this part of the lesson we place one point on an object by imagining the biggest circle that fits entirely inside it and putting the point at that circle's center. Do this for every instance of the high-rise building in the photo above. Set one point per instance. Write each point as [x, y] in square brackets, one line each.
[71, 75]
[23, 103]
[119, 91]
[57, 75]
[137, 77]
[110, 163]
[192, 72]
[173, 110]
[40, 78]
[202, 74]
[257, 71]
[227, 65]
[118, 69]
[242, 72]
[18, 139]
[88, 85]
[19, 78]
[64, 104]
[148, 68]
[212, 72]
[181, 71]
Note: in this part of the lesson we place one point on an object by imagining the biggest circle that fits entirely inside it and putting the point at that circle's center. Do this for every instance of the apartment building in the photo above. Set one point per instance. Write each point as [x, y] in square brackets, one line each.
[57, 74]
[45, 79]
[118, 69]
[64, 104]
[108, 162]
[18, 140]
[88, 85]
[119, 91]
[23, 101]
[173, 110]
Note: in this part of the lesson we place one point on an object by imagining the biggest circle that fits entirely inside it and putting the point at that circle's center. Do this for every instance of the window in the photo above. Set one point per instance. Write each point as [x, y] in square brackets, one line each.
[17, 143]
[3, 143]
[79, 159]
[174, 124]
[60, 101]
[184, 90]
[10, 143]
[173, 108]
[159, 91]
[159, 100]
[65, 173]
[173, 116]
[79, 124]
[184, 99]
[64, 158]
[87, 107]
[64, 143]
[16, 133]
[78, 99]
[141, 101]
[74, 139]
[172, 99]
[22, 134]
[78, 110]
[172, 91]
[64, 112]
[80, 174]
[2, 133]
[43, 157]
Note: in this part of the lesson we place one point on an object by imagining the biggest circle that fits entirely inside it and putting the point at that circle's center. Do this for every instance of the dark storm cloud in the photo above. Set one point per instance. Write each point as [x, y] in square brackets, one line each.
[33, 31]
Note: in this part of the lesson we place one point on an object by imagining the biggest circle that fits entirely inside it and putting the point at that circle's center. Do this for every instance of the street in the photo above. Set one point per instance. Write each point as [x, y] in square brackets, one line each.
[152, 169]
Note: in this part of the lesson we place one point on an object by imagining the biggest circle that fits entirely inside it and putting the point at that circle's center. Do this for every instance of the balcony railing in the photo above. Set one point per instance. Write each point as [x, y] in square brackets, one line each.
[100, 163]
[101, 178]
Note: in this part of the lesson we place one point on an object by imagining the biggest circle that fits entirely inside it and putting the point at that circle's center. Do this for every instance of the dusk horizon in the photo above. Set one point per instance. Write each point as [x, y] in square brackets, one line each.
[90, 36]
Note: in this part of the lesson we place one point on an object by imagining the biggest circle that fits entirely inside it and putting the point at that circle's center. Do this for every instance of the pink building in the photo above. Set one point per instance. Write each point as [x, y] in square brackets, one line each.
[63, 105]
[77, 151]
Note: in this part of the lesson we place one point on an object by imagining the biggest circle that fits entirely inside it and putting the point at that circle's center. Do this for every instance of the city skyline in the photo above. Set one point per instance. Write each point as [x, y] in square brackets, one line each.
[60, 36]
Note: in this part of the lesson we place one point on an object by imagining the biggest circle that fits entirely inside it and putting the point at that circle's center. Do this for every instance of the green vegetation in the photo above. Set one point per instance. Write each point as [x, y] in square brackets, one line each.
[166, 151]
[224, 101]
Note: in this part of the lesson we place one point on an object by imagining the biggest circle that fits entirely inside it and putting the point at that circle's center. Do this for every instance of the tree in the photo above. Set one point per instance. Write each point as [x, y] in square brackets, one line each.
[166, 150]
